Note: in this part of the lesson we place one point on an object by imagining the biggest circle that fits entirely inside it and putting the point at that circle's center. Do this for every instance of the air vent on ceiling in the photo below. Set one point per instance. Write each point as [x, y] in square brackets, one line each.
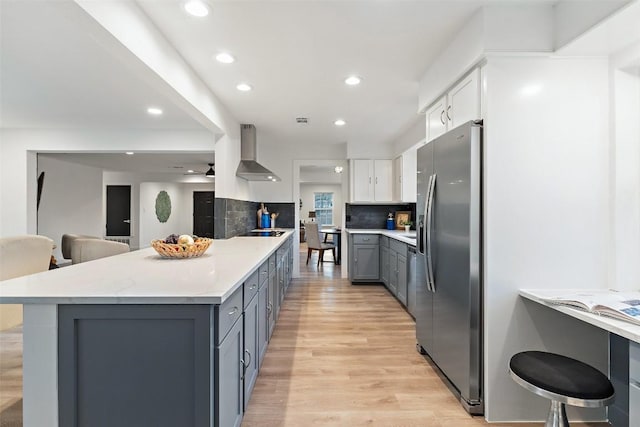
[302, 120]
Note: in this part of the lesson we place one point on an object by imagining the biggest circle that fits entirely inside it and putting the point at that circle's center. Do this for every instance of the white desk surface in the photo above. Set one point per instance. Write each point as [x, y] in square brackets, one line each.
[618, 327]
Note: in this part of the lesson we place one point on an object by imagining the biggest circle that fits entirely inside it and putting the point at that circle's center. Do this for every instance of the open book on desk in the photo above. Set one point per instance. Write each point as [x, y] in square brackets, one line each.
[618, 305]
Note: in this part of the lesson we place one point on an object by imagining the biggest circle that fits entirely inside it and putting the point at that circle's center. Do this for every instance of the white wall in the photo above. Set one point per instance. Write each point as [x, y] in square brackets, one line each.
[279, 158]
[134, 180]
[625, 183]
[18, 168]
[494, 28]
[414, 134]
[573, 18]
[181, 207]
[307, 195]
[546, 215]
[71, 201]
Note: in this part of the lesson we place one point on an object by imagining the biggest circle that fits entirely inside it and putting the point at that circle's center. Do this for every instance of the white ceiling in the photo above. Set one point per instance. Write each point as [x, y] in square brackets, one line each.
[56, 75]
[164, 163]
[296, 55]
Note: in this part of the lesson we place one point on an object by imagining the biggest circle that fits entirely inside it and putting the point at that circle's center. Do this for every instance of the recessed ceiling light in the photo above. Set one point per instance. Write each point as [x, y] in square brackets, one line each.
[339, 122]
[225, 58]
[129, 153]
[244, 87]
[269, 177]
[338, 169]
[190, 170]
[154, 111]
[353, 80]
[196, 8]
[273, 179]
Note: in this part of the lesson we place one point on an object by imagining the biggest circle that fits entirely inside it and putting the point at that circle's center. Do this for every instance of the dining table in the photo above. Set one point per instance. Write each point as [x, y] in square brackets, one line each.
[337, 240]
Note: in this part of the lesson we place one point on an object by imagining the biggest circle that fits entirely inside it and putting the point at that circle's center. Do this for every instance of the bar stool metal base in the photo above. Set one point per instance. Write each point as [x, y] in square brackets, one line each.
[557, 415]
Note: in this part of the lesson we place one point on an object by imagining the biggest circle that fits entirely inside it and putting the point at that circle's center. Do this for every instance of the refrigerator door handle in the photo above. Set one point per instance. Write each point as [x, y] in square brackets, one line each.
[431, 283]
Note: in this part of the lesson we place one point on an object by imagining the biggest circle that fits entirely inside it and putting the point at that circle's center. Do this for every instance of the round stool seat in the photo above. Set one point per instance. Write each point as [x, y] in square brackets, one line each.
[555, 376]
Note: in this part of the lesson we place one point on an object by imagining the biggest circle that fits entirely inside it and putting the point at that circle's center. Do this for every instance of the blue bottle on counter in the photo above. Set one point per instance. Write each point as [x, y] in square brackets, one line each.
[266, 220]
[390, 224]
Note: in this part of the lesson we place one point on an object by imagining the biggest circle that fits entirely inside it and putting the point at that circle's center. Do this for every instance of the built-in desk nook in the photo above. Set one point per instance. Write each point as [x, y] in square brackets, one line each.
[624, 356]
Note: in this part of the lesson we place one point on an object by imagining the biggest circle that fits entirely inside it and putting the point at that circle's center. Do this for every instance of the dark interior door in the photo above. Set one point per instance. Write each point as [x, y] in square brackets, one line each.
[203, 213]
[118, 210]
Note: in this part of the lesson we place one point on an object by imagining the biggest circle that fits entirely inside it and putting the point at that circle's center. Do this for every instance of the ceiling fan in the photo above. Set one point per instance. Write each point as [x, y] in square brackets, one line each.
[211, 173]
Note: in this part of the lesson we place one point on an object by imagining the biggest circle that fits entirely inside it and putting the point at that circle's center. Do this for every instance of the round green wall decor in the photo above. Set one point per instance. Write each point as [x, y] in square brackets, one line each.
[163, 206]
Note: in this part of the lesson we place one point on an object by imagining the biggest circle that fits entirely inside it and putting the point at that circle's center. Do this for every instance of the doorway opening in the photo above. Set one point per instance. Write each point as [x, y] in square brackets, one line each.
[118, 211]
[203, 202]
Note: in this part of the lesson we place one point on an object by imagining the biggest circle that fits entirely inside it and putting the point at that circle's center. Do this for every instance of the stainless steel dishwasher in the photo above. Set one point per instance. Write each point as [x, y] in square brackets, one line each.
[411, 287]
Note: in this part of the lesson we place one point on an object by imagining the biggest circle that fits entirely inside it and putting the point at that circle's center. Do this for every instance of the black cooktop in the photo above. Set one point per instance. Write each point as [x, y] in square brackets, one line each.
[266, 233]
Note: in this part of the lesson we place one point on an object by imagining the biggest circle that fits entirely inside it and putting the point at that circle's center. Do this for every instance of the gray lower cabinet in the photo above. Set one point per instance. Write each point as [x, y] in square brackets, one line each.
[251, 355]
[384, 265]
[401, 293]
[272, 303]
[134, 365]
[263, 320]
[393, 272]
[229, 387]
[364, 258]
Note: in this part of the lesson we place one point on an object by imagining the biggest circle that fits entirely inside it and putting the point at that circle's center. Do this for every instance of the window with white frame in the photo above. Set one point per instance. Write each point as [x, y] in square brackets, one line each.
[324, 208]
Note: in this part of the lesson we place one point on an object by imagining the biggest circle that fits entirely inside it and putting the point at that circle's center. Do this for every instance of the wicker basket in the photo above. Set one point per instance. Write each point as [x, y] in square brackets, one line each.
[170, 250]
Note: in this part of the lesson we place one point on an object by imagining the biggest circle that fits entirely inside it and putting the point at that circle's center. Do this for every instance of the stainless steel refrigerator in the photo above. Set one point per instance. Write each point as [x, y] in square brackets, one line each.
[449, 289]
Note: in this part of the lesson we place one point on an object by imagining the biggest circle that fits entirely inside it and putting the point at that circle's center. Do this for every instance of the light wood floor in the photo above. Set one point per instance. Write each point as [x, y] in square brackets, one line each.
[340, 355]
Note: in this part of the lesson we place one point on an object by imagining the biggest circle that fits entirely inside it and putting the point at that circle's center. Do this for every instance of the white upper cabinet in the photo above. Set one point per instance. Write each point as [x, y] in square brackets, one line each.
[404, 176]
[371, 180]
[383, 182]
[436, 121]
[464, 100]
[459, 105]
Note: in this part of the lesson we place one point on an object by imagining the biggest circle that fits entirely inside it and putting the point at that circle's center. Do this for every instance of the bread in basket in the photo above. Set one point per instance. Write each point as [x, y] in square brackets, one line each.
[177, 250]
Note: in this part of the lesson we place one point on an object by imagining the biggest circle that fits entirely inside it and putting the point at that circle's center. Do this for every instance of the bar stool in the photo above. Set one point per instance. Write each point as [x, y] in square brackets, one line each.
[562, 380]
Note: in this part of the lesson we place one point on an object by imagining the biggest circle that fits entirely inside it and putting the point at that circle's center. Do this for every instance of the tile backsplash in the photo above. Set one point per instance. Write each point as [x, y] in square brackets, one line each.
[375, 216]
[236, 217]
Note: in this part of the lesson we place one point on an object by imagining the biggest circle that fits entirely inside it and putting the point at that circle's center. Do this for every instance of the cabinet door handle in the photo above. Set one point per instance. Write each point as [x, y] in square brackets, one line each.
[233, 311]
[243, 369]
[442, 117]
[376, 179]
[448, 108]
[369, 180]
[248, 353]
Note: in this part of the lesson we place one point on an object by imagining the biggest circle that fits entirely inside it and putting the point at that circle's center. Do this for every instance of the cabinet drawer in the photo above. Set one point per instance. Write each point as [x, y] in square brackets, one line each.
[263, 273]
[228, 313]
[366, 239]
[384, 241]
[634, 361]
[399, 247]
[251, 286]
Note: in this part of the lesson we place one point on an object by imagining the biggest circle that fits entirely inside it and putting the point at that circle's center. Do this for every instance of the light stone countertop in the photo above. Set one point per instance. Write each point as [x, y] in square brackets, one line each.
[143, 277]
[400, 235]
[624, 329]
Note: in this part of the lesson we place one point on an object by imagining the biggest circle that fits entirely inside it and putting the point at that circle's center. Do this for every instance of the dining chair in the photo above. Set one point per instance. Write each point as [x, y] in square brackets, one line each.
[84, 250]
[314, 243]
[20, 256]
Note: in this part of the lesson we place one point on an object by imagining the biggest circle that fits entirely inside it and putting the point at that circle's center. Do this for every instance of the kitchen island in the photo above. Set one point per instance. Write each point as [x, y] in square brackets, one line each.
[136, 339]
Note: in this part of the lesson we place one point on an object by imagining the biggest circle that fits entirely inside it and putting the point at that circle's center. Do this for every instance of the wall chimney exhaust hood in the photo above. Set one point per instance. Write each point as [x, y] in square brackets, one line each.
[249, 168]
